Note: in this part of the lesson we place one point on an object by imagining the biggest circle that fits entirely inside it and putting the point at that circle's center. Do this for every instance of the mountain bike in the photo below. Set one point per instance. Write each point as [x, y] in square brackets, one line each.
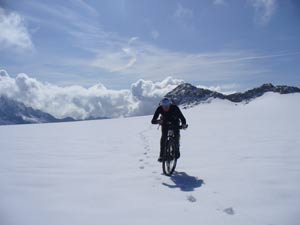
[171, 151]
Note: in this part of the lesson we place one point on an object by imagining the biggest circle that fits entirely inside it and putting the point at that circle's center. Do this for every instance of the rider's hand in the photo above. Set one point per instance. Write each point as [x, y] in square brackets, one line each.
[184, 126]
[160, 122]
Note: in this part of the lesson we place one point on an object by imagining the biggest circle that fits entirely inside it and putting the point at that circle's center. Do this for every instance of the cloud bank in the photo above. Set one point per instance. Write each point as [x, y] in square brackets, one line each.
[80, 102]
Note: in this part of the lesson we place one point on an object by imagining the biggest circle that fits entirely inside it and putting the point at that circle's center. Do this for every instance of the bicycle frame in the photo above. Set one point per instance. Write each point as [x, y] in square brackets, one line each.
[171, 146]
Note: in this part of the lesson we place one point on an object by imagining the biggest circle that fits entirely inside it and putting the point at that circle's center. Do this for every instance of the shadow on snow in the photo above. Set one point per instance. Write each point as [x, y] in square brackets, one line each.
[184, 182]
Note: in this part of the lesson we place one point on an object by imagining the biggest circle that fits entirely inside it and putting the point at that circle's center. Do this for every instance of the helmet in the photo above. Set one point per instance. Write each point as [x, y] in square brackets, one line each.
[165, 102]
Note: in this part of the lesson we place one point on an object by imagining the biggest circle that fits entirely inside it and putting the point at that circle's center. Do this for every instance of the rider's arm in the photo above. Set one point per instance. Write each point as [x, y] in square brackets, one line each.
[155, 116]
[180, 116]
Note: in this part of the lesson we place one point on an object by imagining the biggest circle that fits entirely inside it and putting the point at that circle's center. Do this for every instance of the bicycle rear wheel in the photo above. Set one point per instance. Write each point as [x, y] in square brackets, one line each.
[170, 159]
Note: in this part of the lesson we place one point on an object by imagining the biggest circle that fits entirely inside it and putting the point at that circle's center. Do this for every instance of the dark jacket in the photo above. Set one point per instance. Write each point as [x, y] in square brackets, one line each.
[173, 115]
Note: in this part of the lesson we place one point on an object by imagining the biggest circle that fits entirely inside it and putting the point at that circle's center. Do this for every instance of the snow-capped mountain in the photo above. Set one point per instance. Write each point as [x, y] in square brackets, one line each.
[188, 95]
[13, 112]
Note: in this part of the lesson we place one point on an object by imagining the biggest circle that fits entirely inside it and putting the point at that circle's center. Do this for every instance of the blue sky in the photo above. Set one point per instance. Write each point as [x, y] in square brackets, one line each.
[234, 44]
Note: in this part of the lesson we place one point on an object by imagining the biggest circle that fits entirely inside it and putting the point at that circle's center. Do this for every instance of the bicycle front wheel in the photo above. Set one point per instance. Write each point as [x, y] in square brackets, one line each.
[170, 159]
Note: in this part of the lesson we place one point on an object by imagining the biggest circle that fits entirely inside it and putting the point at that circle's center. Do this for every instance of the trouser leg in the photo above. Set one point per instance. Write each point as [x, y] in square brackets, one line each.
[163, 140]
[177, 138]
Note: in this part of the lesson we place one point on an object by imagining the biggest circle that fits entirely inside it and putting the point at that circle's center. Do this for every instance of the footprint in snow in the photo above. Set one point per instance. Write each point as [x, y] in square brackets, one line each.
[141, 167]
[191, 198]
[141, 160]
[229, 211]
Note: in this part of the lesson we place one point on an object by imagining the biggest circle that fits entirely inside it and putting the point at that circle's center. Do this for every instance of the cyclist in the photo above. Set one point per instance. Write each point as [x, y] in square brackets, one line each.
[170, 114]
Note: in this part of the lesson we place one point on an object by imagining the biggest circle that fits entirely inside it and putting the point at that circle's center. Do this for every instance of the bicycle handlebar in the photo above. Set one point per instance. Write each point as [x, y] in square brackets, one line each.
[176, 126]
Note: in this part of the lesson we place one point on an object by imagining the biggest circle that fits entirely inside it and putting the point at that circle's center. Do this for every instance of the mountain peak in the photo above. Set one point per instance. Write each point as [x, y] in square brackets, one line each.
[267, 85]
[187, 94]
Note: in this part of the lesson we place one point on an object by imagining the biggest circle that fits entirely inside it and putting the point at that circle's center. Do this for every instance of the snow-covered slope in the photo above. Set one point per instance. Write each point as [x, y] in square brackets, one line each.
[240, 165]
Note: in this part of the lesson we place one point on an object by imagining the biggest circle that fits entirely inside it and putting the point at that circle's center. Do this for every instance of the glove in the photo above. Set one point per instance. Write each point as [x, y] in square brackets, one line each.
[184, 126]
[160, 122]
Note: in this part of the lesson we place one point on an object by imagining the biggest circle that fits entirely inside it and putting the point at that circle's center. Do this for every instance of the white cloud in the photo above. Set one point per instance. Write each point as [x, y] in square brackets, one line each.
[13, 32]
[132, 39]
[225, 89]
[79, 102]
[111, 54]
[116, 61]
[218, 2]
[183, 12]
[84, 5]
[149, 93]
[264, 10]
[155, 34]
[153, 63]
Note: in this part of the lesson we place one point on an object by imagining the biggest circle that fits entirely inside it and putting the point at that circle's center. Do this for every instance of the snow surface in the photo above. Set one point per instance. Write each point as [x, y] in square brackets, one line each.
[240, 165]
